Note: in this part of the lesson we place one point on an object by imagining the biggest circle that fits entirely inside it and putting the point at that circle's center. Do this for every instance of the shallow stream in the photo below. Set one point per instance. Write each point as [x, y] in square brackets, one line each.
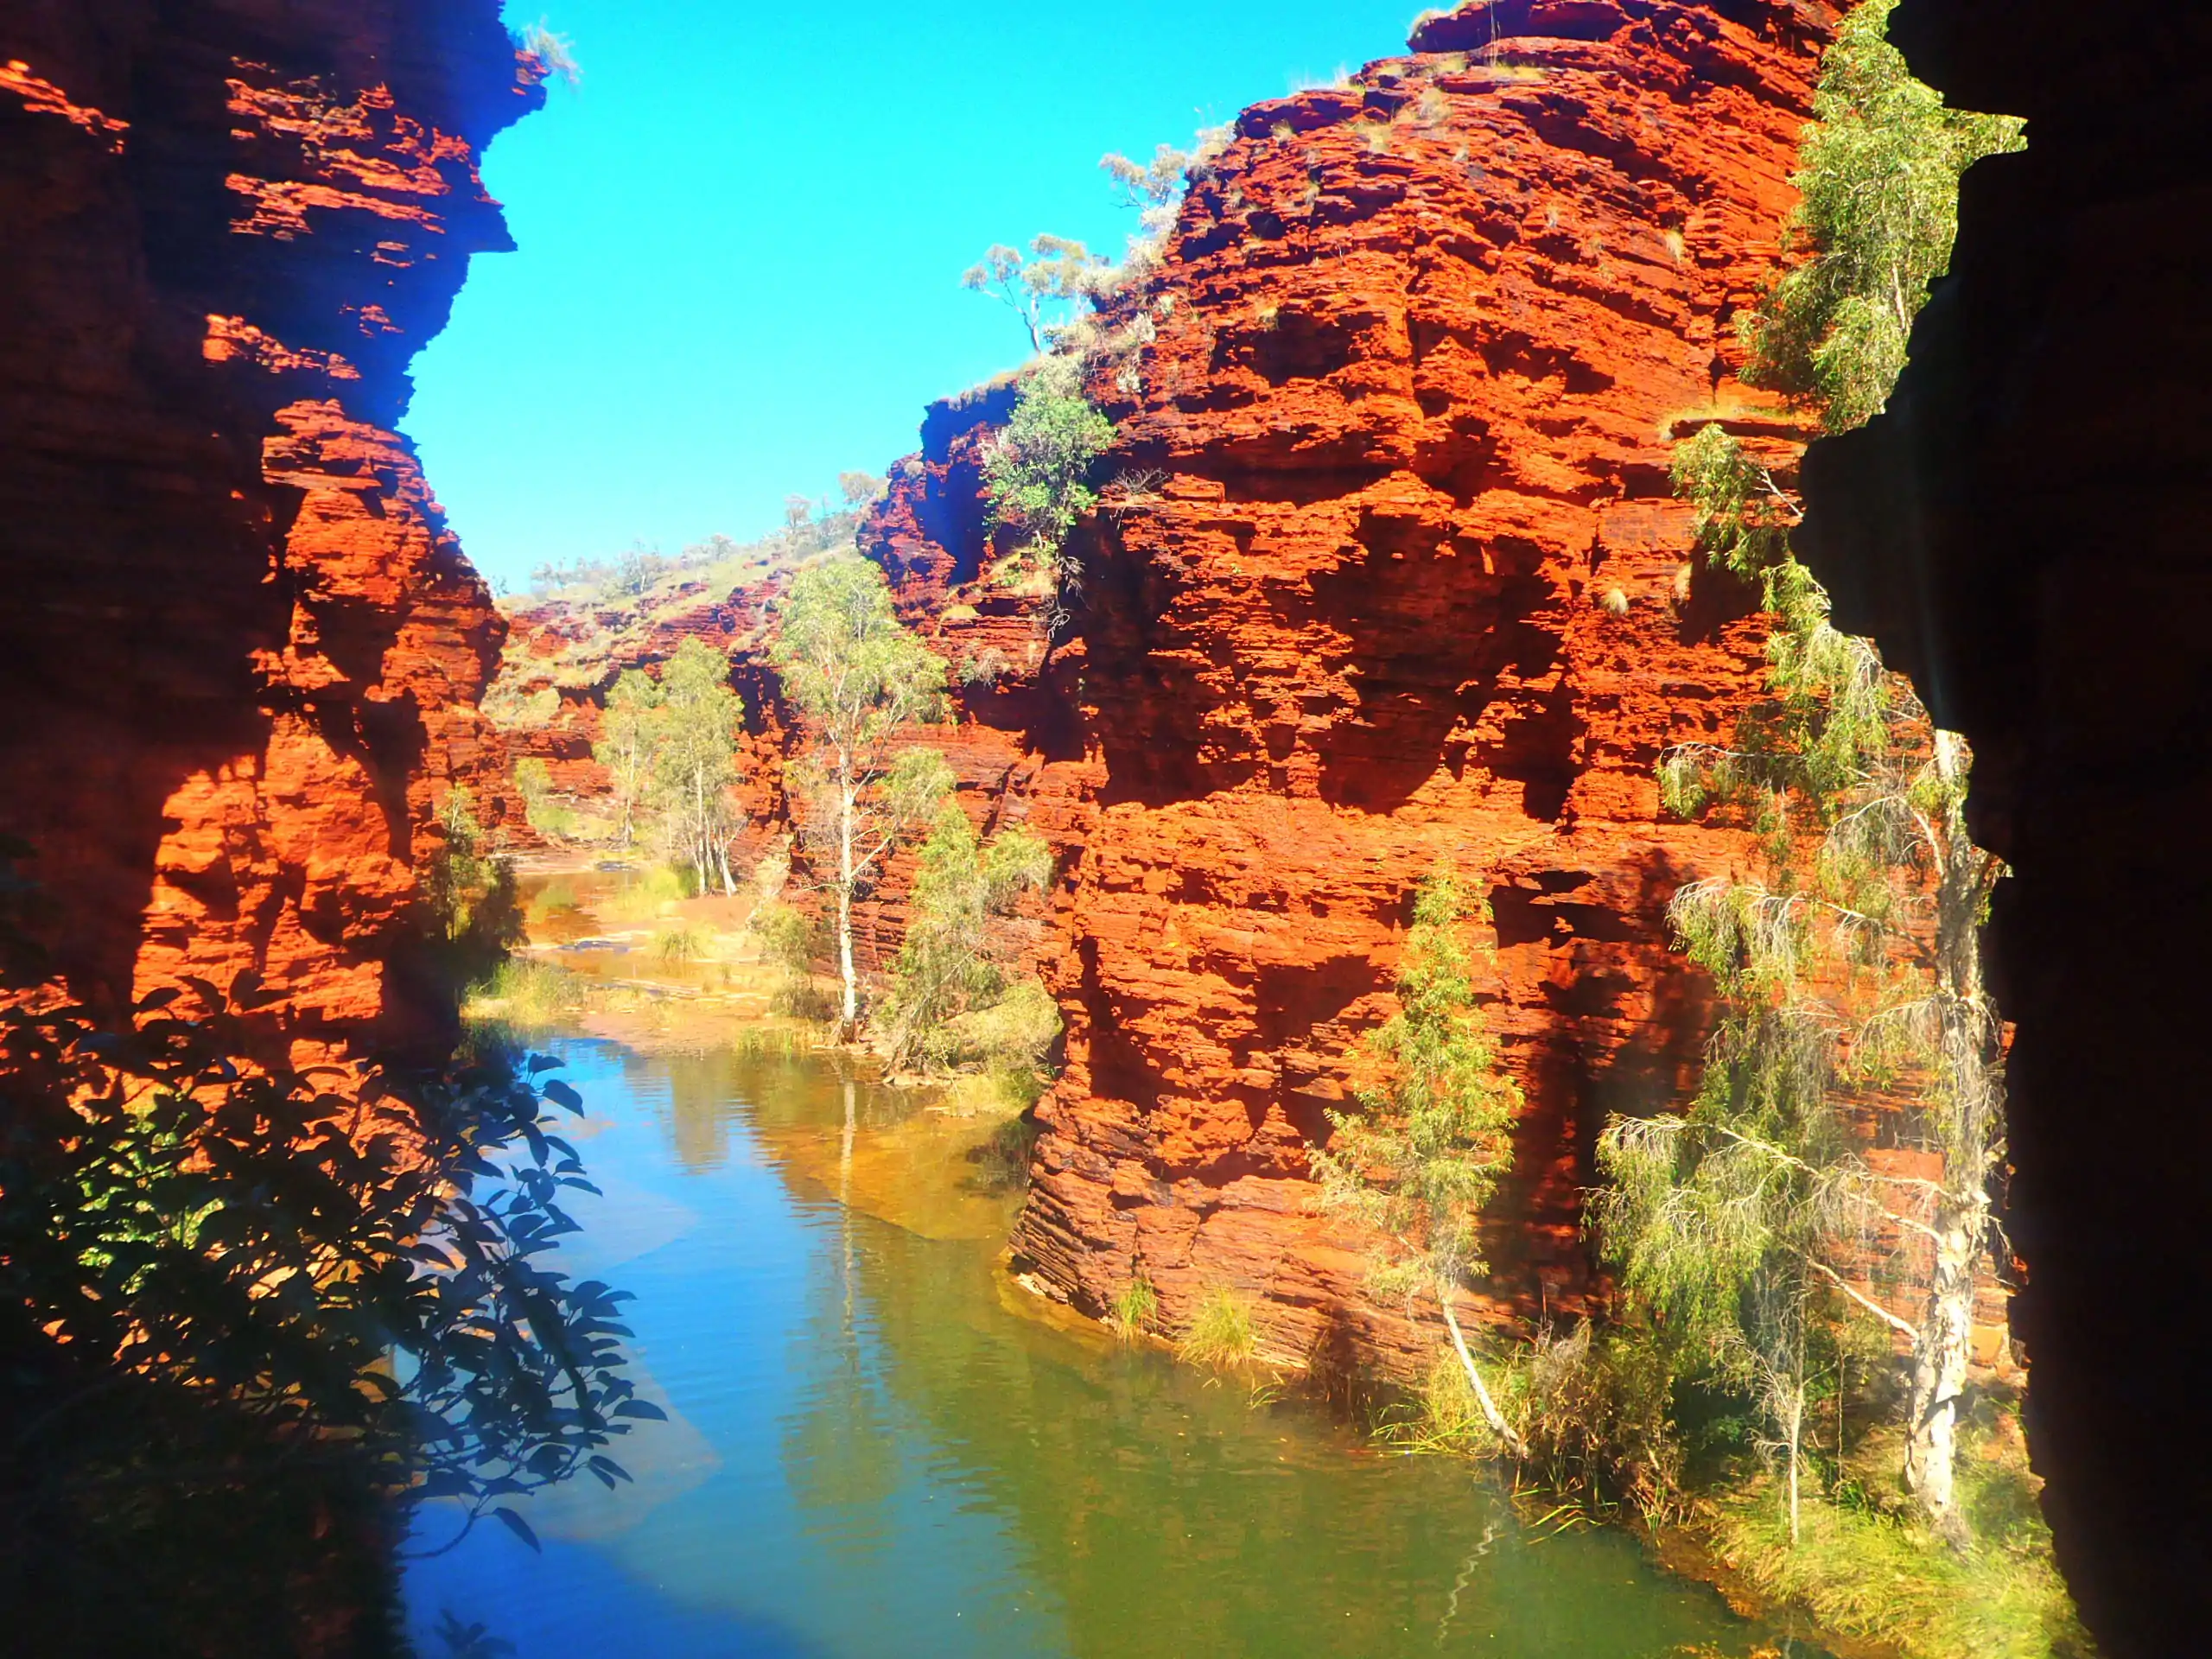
[873, 1449]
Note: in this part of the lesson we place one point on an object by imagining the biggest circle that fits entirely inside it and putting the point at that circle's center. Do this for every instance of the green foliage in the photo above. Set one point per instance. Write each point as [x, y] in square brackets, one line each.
[847, 660]
[1852, 959]
[1878, 179]
[526, 995]
[791, 941]
[646, 894]
[694, 758]
[476, 915]
[1135, 1310]
[1744, 519]
[1419, 1161]
[1037, 474]
[218, 1278]
[950, 1003]
[1594, 1411]
[547, 815]
[1221, 1336]
[629, 735]
[1889, 1580]
[861, 678]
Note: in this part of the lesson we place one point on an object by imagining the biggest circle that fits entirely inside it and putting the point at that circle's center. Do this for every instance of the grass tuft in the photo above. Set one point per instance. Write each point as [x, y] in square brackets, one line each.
[647, 897]
[683, 942]
[1221, 1335]
[1136, 1309]
[525, 995]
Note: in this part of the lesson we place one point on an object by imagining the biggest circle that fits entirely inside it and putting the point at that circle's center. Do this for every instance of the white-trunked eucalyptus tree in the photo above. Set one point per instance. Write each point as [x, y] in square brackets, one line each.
[862, 681]
[1850, 970]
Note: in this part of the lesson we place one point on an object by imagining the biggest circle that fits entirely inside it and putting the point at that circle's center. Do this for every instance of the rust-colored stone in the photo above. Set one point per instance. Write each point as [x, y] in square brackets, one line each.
[242, 652]
[1405, 583]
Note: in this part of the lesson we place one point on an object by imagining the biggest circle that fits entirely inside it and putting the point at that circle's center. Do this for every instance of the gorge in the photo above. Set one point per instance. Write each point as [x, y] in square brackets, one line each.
[1388, 572]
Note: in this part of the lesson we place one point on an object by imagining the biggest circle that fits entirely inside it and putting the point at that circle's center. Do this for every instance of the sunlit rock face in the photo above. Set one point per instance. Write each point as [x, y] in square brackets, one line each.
[2025, 530]
[1403, 583]
[1389, 571]
[241, 652]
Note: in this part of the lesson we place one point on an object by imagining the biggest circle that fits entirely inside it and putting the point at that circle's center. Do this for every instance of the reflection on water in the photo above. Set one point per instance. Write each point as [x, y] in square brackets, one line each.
[870, 1453]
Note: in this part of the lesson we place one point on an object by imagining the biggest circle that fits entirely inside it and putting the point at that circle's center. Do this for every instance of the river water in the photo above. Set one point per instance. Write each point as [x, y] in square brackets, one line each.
[873, 1451]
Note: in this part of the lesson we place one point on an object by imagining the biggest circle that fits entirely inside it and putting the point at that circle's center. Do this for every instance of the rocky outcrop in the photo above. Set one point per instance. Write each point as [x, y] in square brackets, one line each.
[2023, 531]
[1395, 577]
[241, 650]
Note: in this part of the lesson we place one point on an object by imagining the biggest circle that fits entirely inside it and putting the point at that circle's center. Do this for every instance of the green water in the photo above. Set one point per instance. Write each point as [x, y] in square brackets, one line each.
[874, 1450]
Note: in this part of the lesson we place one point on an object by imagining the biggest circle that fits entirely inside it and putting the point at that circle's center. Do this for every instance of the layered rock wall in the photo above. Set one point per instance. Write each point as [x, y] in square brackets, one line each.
[1389, 574]
[1398, 580]
[241, 650]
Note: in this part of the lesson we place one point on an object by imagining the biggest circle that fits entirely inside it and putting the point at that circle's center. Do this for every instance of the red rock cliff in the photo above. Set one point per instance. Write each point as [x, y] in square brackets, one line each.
[1402, 580]
[1390, 572]
[241, 650]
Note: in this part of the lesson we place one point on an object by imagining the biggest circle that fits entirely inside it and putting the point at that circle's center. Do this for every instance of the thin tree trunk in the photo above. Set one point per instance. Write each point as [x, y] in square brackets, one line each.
[1971, 1099]
[1491, 1415]
[845, 880]
[1797, 1433]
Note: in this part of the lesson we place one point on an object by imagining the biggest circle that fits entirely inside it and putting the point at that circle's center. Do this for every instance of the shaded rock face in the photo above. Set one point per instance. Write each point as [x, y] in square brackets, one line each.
[1394, 577]
[2024, 532]
[241, 650]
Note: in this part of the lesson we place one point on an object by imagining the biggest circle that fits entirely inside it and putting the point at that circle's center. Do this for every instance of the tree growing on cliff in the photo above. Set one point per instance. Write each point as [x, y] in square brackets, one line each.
[1878, 181]
[1058, 276]
[951, 977]
[1853, 959]
[695, 759]
[861, 680]
[1037, 472]
[1419, 1161]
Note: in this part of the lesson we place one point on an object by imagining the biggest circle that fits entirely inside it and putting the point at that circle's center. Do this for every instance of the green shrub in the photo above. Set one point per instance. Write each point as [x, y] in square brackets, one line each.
[647, 895]
[950, 1005]
[1037, 476]
[792, 940]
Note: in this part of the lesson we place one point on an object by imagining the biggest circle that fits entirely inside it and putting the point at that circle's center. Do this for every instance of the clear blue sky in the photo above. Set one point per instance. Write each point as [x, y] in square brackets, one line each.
[742, 240]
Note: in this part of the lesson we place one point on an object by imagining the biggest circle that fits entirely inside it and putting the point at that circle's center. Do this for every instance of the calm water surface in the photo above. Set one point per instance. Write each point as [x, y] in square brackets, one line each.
[871, 1451]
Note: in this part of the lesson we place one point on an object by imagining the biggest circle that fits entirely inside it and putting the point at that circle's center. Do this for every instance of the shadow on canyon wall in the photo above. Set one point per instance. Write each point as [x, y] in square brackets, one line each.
[2024, 531]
